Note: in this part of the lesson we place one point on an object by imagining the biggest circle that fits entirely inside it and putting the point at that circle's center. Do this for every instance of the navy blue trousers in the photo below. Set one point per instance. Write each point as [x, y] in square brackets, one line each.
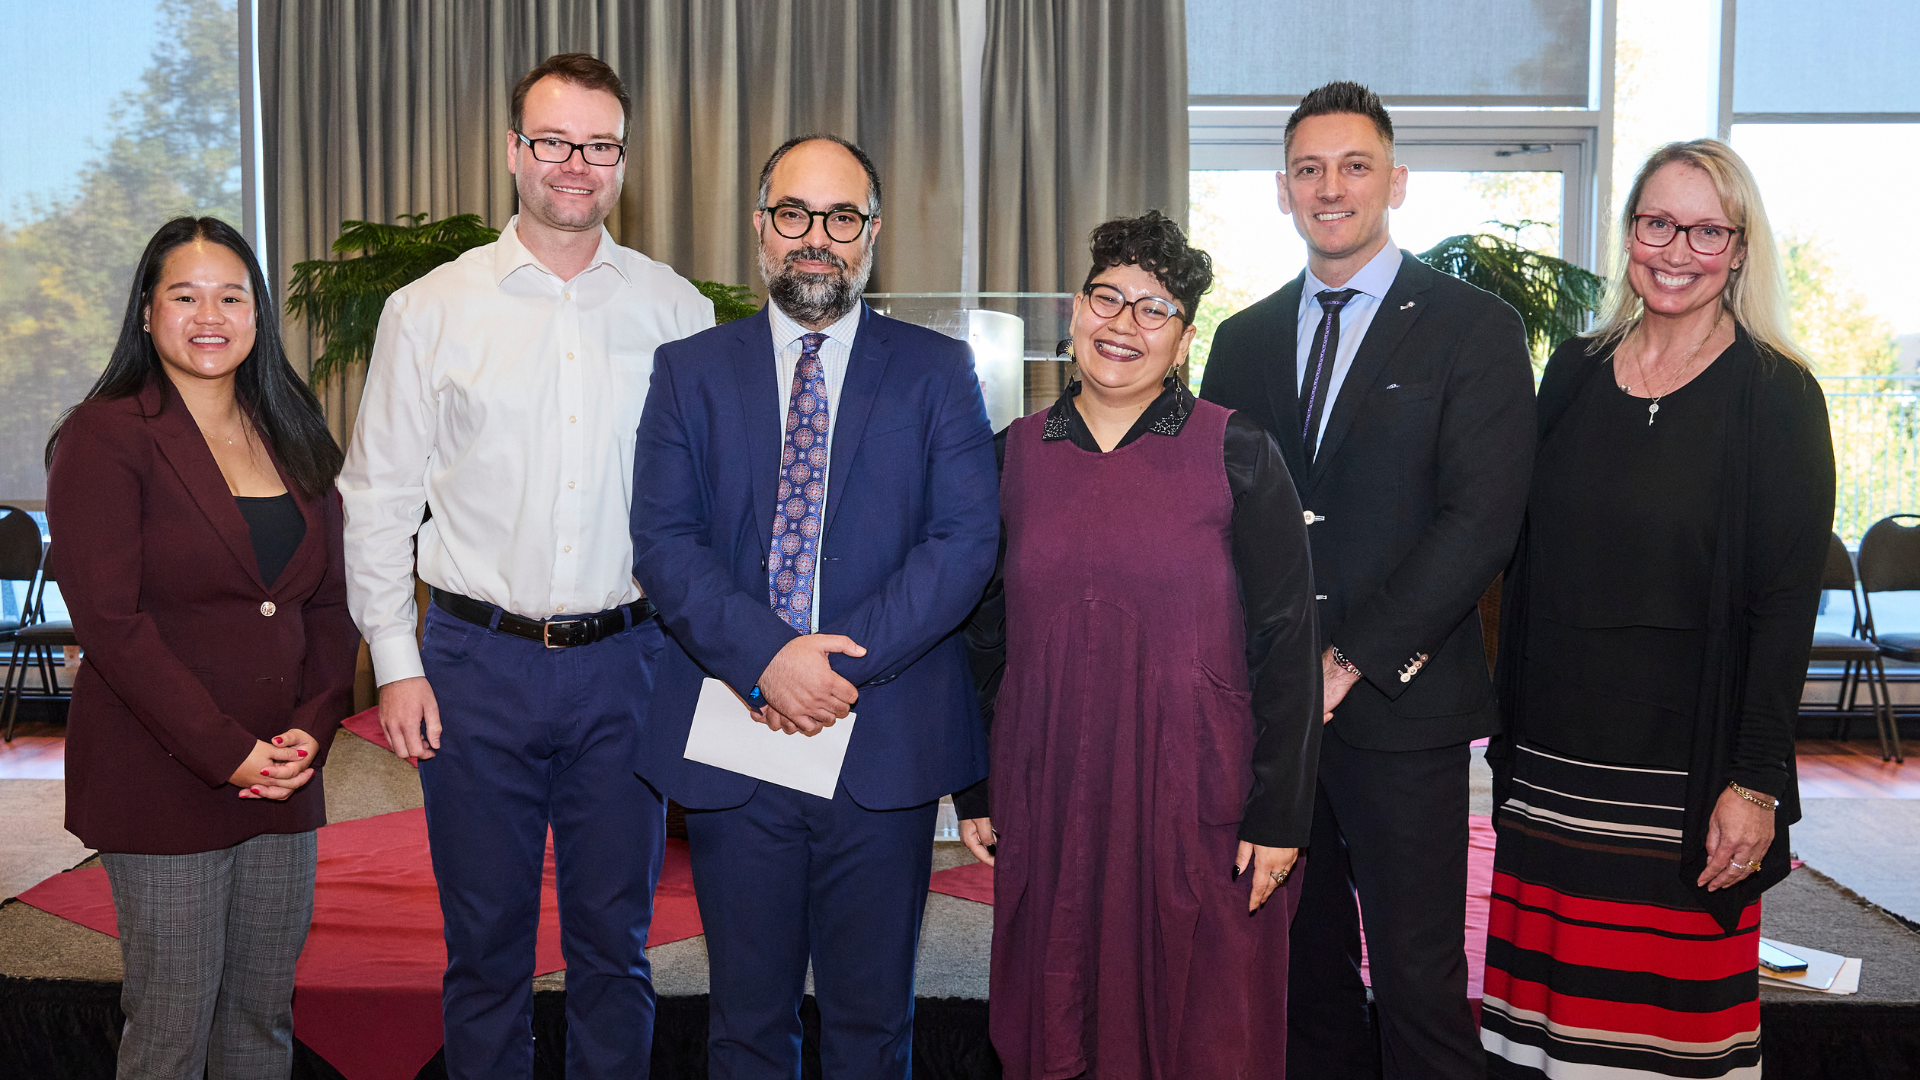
[790, 876]
[533, 737]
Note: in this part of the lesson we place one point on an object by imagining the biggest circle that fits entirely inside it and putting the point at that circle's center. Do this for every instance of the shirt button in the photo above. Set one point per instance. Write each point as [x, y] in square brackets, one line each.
[267, 608]
[569, 356]
[569, 483]
[569, 547]
[573, 419]
[567, 296]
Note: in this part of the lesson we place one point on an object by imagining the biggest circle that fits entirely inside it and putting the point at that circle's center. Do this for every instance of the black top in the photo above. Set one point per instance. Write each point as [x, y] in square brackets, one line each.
[1264, 506]
[1773, 520]
[276, 526]
[1624, 517]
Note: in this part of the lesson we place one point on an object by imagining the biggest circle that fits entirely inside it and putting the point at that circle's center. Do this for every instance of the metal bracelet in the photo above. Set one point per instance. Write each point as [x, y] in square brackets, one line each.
[1345, 664]
[1752, 798]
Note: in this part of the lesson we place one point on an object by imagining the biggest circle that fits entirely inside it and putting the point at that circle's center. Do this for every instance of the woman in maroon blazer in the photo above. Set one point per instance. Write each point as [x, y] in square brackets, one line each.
[196, 538]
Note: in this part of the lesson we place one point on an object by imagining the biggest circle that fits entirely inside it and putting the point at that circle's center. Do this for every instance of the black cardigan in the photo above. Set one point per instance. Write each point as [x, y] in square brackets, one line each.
[1772, 539]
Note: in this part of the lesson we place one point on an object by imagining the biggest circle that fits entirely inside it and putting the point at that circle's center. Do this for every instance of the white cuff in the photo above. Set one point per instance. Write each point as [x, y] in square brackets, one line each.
[396, 658]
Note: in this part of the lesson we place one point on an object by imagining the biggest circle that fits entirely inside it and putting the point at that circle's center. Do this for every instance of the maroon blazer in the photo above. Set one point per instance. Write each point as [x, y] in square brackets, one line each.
[189, 657]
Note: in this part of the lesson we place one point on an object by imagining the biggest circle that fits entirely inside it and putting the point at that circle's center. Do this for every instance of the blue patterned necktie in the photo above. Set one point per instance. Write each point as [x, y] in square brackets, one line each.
[1326, 348]
[803, 483]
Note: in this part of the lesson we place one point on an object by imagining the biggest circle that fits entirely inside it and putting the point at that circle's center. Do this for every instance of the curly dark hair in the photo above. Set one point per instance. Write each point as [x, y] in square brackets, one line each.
[1155, 244]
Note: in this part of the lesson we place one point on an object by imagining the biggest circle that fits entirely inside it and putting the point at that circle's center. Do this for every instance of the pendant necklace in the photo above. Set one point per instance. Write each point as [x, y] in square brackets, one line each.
[1653, 406]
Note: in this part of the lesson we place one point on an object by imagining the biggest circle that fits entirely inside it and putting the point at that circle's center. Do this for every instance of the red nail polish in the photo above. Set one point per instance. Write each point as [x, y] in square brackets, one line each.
[276, 740]
[264, 772]
[256, 791]
[303, 753]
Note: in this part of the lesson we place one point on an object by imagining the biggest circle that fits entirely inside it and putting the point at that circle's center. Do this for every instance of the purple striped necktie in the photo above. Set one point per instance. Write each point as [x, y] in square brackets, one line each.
[1326, 350]
[794, 553]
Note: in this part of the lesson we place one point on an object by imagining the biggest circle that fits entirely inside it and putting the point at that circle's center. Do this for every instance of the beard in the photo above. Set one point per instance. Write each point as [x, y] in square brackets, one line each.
[815, 299]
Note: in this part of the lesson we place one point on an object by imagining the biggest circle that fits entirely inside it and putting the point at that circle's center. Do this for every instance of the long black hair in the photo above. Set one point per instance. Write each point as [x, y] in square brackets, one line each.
[278, 401]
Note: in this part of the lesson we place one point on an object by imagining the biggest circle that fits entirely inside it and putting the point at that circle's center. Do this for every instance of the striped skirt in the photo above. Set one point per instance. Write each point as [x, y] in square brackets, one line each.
[1599, 963]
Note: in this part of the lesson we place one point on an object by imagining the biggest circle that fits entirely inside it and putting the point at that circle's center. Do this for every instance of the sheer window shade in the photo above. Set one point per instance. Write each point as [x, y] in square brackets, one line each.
[1413, 52]
[1841, 60]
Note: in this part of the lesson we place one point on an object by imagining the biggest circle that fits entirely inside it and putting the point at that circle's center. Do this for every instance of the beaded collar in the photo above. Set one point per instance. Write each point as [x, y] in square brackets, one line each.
[1165, 416]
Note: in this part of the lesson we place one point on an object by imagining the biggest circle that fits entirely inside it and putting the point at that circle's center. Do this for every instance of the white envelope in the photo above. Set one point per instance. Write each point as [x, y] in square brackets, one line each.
[726, 736]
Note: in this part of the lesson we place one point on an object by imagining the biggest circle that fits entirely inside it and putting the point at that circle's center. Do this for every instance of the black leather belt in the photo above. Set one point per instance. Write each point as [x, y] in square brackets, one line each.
[554, 634]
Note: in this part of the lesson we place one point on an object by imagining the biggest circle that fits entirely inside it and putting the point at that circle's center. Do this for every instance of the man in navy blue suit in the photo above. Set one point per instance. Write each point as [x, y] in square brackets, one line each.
[815, 513]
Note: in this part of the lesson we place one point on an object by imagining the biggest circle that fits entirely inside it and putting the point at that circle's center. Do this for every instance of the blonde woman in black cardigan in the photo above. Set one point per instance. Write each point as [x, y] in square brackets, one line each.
[1657, 621]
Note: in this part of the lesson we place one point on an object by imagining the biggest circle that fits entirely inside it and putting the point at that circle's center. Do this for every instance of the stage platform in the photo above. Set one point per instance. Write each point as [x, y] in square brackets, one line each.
[59, 982]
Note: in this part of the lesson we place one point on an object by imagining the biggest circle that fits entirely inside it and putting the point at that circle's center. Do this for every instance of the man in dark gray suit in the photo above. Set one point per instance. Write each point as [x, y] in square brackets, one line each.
[1402, 400]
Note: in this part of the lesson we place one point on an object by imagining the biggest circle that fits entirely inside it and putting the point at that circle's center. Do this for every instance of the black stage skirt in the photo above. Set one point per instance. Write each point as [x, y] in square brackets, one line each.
[1599, 963]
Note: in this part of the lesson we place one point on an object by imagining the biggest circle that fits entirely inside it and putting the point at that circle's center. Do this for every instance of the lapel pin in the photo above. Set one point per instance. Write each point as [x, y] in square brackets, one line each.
[1406, 305]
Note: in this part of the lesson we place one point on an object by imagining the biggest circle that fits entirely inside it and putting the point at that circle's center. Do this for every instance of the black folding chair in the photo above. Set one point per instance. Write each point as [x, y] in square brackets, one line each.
[1859, 658]
[38, 642]
[1890, 562]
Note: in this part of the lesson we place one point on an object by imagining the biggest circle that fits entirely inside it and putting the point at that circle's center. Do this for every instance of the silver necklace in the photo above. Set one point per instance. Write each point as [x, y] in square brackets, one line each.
[1653, 406]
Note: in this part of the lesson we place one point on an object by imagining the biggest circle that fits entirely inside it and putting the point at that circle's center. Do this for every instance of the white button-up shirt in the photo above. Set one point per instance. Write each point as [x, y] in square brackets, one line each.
[507, 401]
[834, 354]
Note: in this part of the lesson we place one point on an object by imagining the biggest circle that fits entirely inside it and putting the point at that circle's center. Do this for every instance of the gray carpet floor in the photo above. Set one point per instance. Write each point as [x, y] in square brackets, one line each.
[1809, 908]
[1871, 844]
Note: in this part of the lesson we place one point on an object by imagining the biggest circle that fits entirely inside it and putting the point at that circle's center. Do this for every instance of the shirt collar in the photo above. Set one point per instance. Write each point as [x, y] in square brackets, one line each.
[786, 330]
[1166, 415]
[1374, 279]
[509, 254]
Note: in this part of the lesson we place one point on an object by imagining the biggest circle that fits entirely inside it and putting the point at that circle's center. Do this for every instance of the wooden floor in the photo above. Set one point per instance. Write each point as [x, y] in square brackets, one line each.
[37, 752]
[1853, 770]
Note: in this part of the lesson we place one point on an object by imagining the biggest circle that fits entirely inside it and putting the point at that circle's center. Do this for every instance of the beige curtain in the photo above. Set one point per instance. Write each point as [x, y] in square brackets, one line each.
[1084, 110]
[376, 108]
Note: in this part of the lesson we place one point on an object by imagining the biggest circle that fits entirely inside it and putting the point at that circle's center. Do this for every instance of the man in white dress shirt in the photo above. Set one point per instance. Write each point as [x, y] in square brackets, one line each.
[503, 396]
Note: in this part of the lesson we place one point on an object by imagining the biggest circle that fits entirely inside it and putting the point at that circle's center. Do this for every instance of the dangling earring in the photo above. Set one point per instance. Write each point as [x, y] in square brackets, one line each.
[1172, 378]
[1065, 350]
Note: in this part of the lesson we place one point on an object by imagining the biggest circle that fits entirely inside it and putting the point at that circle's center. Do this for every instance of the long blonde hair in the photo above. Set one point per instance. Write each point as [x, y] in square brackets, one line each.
[1756, 293]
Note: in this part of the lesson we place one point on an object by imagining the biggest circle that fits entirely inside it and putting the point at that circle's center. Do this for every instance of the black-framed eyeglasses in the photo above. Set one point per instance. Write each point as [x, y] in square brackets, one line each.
[844, 224]
[559, 151]
[1656, 231]
[1149, 312]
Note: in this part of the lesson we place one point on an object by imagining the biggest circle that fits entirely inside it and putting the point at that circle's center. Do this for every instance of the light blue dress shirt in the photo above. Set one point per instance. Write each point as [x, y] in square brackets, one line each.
[1373, 281]
[835, 352]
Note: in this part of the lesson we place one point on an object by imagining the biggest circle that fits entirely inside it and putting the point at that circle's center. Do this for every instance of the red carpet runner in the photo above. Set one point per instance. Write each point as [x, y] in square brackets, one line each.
[367, 990]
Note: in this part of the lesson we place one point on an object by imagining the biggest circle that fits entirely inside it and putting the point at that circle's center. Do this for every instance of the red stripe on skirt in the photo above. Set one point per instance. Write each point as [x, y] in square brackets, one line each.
[1618, 948]
[1616, 912]
[1624, 1017]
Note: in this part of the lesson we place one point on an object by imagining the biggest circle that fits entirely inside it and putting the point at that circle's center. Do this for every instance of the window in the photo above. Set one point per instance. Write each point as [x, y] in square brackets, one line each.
[118, 117]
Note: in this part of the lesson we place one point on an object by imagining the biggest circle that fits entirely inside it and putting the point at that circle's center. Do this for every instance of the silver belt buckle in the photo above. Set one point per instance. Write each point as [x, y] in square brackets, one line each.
[546, 632]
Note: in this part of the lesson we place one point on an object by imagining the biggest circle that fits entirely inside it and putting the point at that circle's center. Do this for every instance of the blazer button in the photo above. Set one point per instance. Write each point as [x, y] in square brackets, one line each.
[1307, 514]
[1406, 676]
[267, 608]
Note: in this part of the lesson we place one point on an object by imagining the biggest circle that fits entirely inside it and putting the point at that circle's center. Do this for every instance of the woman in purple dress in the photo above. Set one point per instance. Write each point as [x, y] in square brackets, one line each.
[1149, 664]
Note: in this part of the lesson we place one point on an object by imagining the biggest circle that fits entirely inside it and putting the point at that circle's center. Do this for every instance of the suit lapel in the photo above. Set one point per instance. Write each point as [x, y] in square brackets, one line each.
[865, 367]
[1398, 311]
[181, 443]
[755, 377]
[1283, 382]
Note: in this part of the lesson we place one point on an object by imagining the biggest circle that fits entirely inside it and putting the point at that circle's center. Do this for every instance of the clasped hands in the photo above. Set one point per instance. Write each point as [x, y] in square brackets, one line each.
[804, 694]
[277, 769]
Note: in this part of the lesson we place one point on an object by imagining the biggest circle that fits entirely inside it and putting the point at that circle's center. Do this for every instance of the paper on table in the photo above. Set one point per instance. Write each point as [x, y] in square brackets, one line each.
[726, 736]
[1826, 972]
